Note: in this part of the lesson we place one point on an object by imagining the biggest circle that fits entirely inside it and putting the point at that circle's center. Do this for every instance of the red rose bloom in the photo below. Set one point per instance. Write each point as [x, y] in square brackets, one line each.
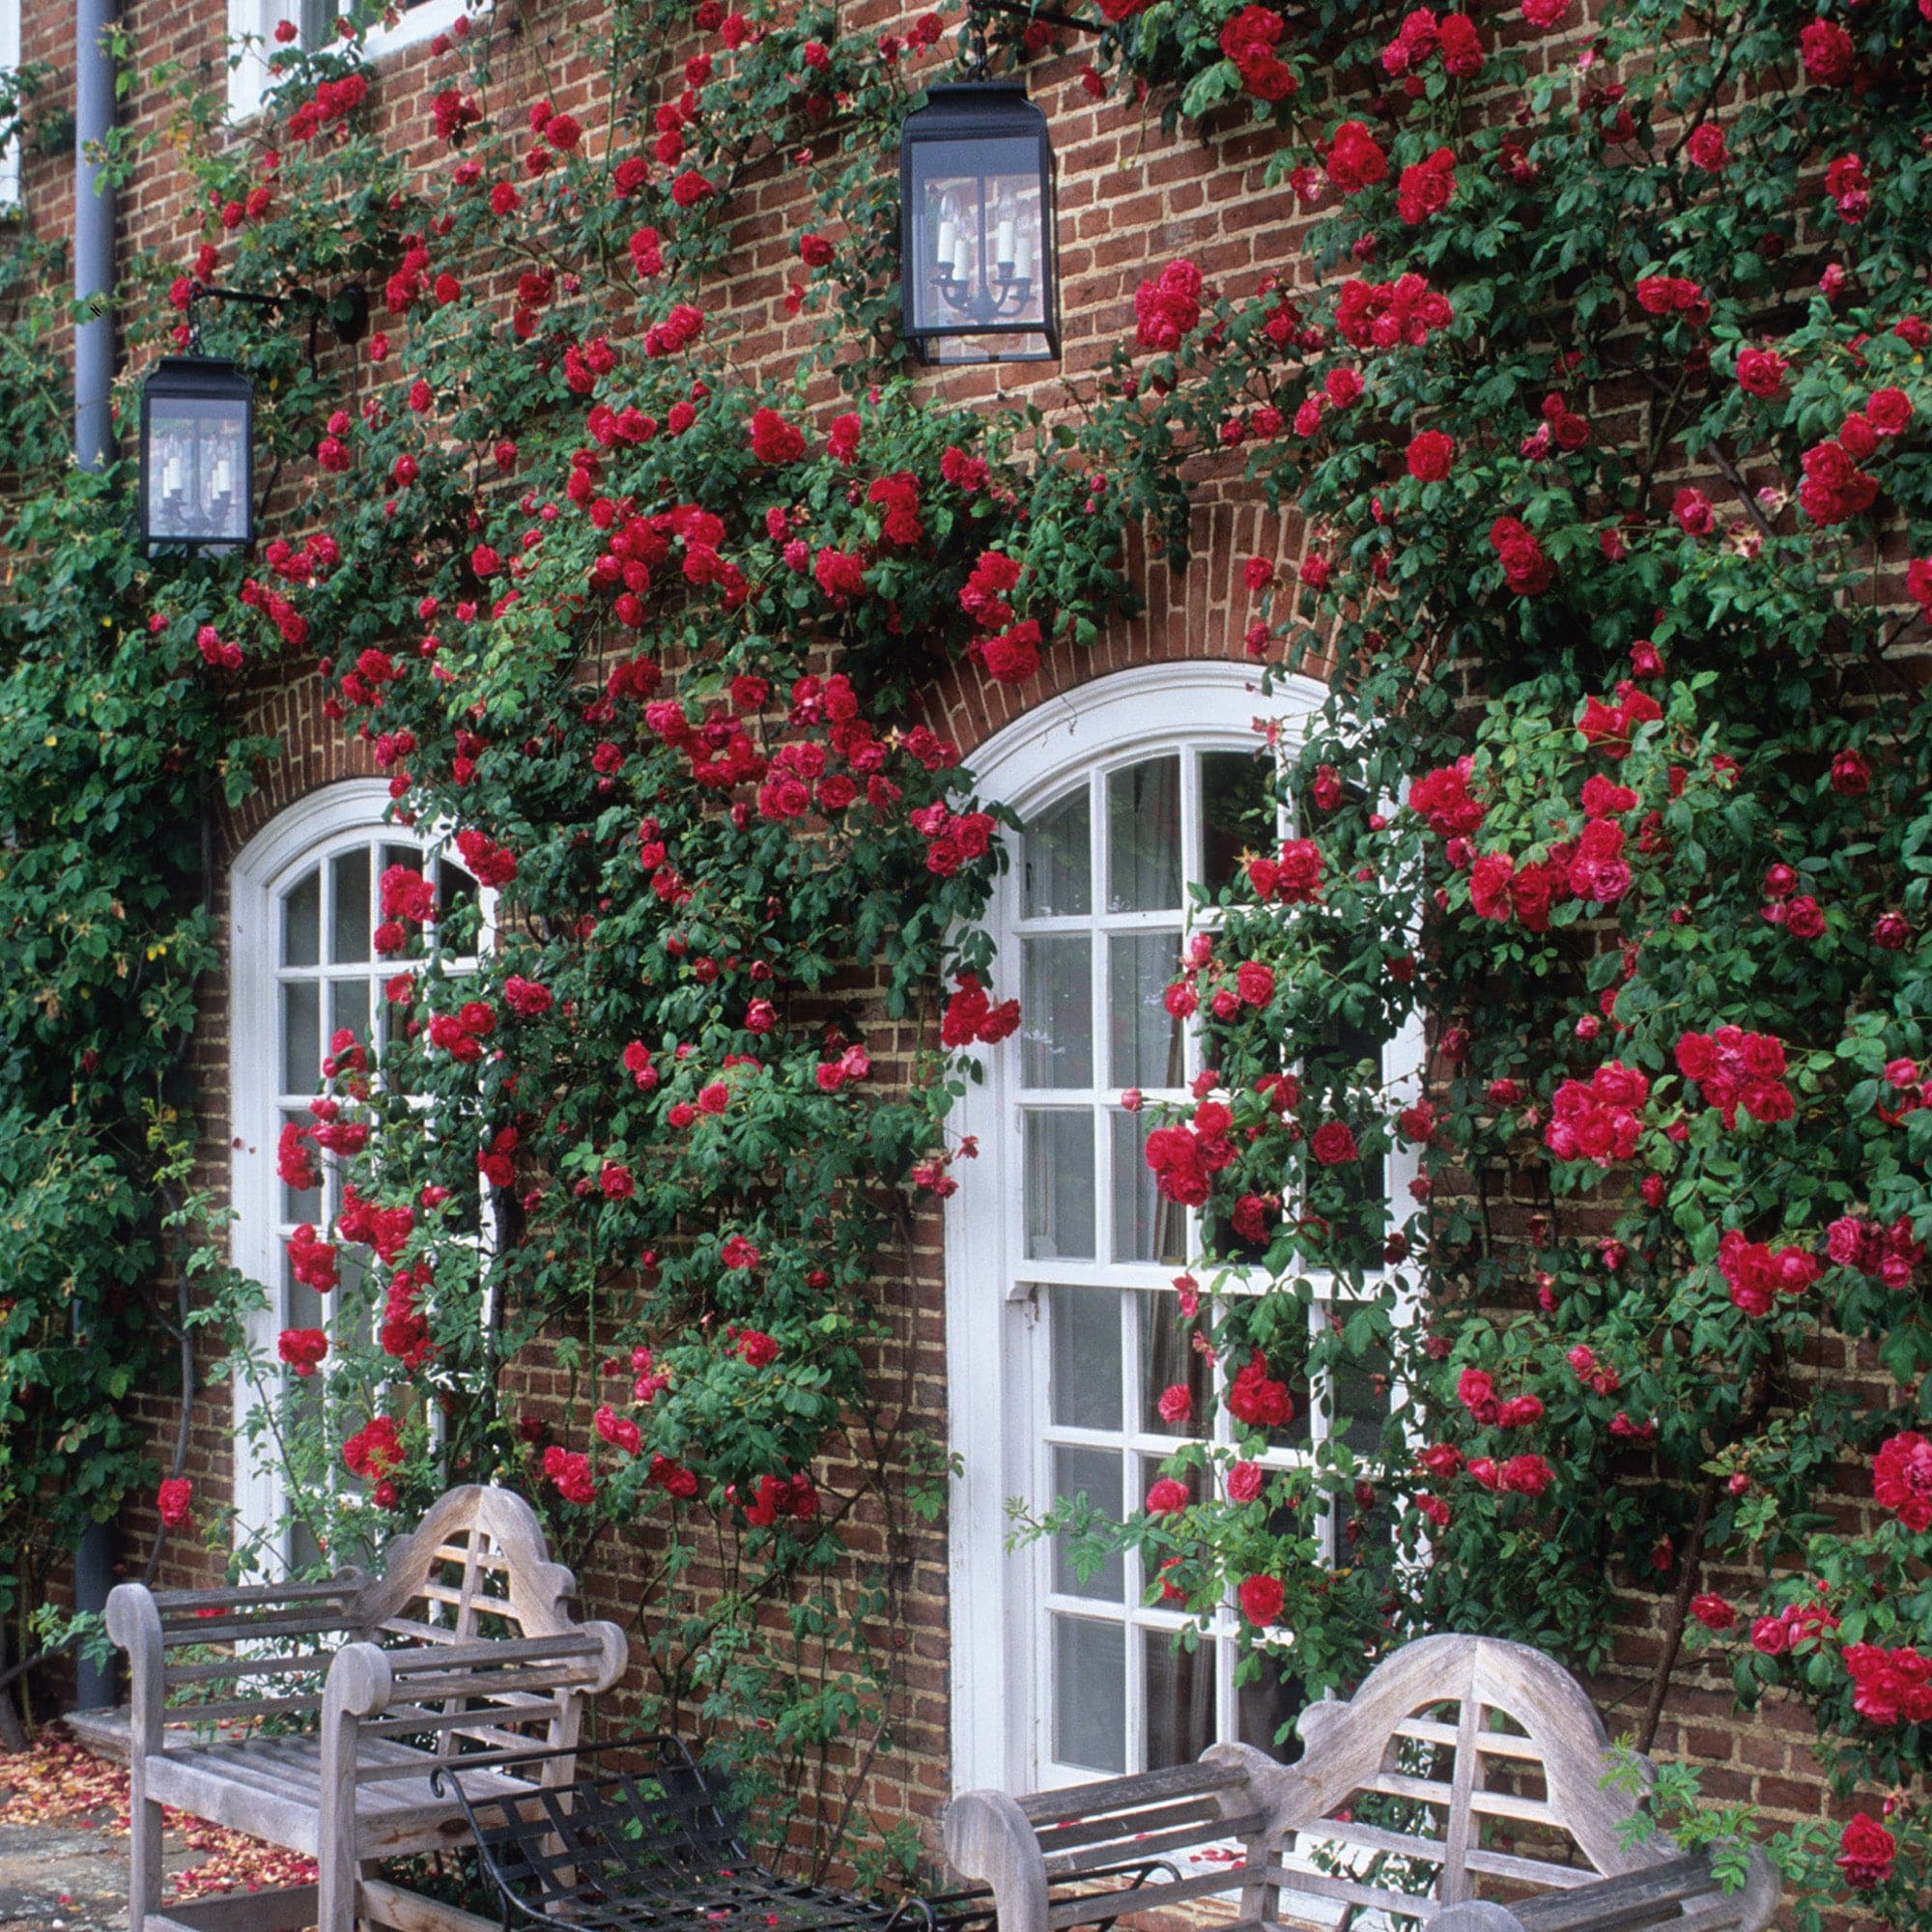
[1902, 1480]
[1430, 455]
[1166, 1497]
[1262, 1598]
[1761, 372]
[1826, 52]
[1866, 1852]
[1355, 161]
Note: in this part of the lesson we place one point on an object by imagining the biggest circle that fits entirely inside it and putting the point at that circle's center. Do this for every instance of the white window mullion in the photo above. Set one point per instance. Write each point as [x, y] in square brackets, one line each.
[9, 151]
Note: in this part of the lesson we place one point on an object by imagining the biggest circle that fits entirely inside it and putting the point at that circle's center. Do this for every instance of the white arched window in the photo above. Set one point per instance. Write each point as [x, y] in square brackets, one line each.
[302, 968]
[1063, 1324]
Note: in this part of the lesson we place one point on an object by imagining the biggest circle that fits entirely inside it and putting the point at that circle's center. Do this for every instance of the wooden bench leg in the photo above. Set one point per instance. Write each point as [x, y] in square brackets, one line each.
[144, 1855]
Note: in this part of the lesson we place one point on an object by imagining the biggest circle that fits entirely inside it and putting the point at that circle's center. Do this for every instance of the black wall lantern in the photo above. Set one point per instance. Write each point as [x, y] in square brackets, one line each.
[197, 456]
[198, 428]
[979, 269]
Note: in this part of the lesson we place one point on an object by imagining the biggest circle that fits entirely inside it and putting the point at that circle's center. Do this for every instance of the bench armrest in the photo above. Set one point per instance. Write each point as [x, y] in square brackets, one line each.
[986, 1837]
[1653, 1896]
[1024, 1847]
[364, 1679]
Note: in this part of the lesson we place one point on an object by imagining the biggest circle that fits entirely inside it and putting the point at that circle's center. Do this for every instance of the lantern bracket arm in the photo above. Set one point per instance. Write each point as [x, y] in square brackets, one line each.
[1047, 16]
[351, 328]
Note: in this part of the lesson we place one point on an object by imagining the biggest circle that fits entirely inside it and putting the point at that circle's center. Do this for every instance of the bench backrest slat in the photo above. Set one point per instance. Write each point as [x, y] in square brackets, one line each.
[1126, 1793]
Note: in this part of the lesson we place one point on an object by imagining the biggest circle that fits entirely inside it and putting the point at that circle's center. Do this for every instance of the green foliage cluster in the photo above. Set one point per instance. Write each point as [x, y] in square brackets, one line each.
[1604, 404]
[115, 751]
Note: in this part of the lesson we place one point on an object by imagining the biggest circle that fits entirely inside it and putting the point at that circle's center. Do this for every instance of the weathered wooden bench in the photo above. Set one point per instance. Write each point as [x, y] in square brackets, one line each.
[462, 1650]
[1462, 1786]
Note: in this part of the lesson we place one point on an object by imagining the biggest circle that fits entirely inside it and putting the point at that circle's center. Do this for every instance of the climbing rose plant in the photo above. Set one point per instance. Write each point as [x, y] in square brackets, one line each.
[638, 635]
[1601, 404]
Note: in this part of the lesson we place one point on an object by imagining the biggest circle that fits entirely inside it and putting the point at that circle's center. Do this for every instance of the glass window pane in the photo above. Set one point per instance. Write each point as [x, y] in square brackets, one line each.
[349, 921]
[1358, 1402]
[1147, 1225]
[1086, 1374]
[348, 1006]
[1089, 1686]
[1059, 1158]
[301, 1036]
[978, 244]
[301, 922]
[1178, 1686]
[456, 889]
[1144, 836]
[1147, 1044]
[1236, 814]
[1169, 1361]
[1056, 863]
[1057, 1013]
[1266, 1707]
[305, 1206]
[1095, 1474]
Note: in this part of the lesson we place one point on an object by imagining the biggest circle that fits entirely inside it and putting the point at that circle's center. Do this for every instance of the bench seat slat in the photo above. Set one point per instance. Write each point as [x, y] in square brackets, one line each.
[1351, 1891]
[225, 1709]
[176, 1603]
[1492, 1804]
[250, 1628]
[1375, 1838]
[1149, 1844]
[1528, 1871]
[1491, 1743]
[495, 1682]
[500, 1650]
[265, 1666]
[1076, 1831]
[1153, 1897]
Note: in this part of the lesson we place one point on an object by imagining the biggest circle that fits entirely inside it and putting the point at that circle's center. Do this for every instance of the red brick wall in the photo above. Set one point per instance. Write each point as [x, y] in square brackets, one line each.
[1131, 199]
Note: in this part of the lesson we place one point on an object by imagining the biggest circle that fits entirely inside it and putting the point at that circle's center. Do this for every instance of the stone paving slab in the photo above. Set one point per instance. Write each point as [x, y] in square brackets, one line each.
[70, 1877]
[61, 1878]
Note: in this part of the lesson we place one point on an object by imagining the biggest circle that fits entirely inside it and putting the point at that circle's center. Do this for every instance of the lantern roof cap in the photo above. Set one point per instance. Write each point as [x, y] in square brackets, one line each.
[979, 106]
[195, 375]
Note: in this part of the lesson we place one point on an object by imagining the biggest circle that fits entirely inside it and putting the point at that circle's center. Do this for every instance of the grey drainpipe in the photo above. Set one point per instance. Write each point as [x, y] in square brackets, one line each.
[93, 447]
[93, 234]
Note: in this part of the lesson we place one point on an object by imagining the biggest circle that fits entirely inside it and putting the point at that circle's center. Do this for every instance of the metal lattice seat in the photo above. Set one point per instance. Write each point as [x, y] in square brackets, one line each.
[653, 1849]
[637, 1850]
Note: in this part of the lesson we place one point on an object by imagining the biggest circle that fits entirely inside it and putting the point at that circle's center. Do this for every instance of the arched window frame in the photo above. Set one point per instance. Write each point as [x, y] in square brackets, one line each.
[332, 820]
[996, 1338]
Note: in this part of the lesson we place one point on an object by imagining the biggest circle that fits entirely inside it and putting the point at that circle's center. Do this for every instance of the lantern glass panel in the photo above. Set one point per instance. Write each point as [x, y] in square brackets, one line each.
[979, 245]
[198, 469]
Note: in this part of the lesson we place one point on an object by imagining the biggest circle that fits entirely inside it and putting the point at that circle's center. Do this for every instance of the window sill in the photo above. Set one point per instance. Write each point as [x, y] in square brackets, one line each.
[249, 82]
[421, 24]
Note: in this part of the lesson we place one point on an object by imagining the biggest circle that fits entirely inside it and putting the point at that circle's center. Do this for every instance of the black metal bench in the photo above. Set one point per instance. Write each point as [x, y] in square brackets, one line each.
[642, 1840]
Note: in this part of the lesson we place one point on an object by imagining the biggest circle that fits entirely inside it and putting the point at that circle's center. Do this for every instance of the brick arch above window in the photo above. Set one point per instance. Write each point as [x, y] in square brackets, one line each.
[1197, 614]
